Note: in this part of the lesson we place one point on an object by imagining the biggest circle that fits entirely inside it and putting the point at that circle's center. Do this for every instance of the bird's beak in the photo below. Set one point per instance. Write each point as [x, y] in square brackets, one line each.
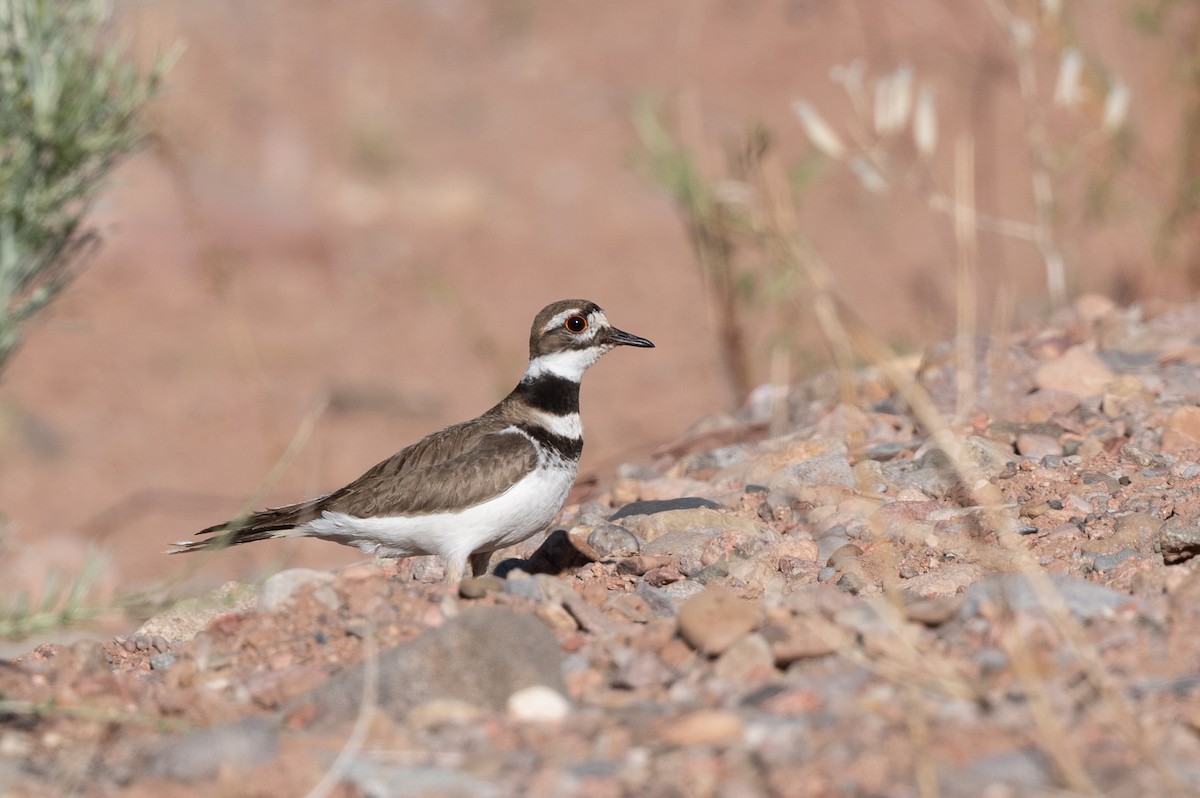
[621, 338]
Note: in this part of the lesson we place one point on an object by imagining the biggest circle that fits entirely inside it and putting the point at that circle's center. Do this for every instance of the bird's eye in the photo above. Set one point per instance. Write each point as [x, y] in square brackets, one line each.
[575, 324]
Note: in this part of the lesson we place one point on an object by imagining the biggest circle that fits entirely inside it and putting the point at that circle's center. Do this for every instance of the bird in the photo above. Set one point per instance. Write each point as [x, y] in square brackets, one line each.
[473, 488]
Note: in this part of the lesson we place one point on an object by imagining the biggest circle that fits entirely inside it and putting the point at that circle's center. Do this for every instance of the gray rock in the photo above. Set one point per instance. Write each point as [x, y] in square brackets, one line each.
[199, 755]
[682, 590]
[523, 586]
[384, 778]
[611, 540]
[187, 618]
[826, 469]
[657, 599]
[481, 657]
[826, 546]
[162, 660]
[681, 544]
[652, 506]
[282, 587]
[1107, 562]
[1022, 772]
[1085, 600]
[1179, 542]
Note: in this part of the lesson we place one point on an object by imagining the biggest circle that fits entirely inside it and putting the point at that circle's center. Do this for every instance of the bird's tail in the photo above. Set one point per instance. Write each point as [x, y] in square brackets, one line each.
[277, 522]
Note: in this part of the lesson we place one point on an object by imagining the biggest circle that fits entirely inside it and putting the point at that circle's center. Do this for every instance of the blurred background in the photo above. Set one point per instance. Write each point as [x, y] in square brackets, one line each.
[351, 212]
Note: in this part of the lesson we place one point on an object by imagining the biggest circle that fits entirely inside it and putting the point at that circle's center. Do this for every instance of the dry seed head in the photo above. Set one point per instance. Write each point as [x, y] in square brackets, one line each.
[1068, 89]
[925, 131]
[818, 131]
[1116, 106]
[893, 101]
[868, 175]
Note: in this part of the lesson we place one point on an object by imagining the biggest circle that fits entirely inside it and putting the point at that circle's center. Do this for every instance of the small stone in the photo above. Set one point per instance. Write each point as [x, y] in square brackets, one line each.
[826, 573]
[439, 712]
[1144, 457]
[1181, 431]
[611, 540]
[538, 704]
[826, 469]
[843, 554]
[852, 583]
[523, 585]
[949, 580]
[802, 637]
[1030, 444]
[704, 727]
[663, 505]
[1106, 562]
[281, 588]
[202, 753]
[933, 611]
[162, 660]
[1179, 542]
[1077, 370]
[1138, 527]
[1085, 600]
[713, 620]
[651, 527]
[474, 587]
[748, 662]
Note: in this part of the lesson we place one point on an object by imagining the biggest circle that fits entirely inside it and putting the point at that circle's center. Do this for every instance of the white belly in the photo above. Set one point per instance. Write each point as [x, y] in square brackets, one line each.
[523, 510]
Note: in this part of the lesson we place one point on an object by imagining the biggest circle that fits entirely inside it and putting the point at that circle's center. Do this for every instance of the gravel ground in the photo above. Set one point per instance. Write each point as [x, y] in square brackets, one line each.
[801, 600]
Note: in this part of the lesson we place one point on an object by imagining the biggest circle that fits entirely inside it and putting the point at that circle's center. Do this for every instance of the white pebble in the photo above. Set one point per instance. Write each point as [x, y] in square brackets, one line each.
[539, 704]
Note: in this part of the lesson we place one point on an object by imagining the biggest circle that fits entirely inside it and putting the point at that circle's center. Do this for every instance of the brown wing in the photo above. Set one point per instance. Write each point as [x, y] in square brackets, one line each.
[465, 464]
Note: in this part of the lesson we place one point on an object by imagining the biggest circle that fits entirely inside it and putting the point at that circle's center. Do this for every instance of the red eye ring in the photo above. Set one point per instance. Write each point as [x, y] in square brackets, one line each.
[575, 324]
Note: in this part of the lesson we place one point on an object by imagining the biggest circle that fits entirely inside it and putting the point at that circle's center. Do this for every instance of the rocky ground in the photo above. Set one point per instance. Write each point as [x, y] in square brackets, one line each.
[797, 601]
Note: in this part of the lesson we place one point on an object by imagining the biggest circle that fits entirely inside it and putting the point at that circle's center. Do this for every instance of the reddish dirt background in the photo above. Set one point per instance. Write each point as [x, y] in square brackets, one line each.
[367, 202]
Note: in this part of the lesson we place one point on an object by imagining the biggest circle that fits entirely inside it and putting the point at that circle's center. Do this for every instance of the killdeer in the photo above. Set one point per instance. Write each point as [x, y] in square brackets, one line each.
[472, 488]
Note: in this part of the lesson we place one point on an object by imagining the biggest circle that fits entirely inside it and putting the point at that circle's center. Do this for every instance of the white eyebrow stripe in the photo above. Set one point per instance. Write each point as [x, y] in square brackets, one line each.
[559, 319]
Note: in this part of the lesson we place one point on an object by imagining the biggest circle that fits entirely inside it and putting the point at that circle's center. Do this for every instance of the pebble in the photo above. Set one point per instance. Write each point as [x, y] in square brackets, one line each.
[651, 527]
[747, 663]
[611, 540]
[1085, 600]
[482, 656]
[802, 638]
[162, 660]
[189, 617]
[474, 587]
[201, 754]
[650, 507]
[1107, 562]
[714, 619]
[282, 588]
[1181, 432]
[1077, 370]
[523, 585]
[704, 727]
[1179, 542]
[538, 704]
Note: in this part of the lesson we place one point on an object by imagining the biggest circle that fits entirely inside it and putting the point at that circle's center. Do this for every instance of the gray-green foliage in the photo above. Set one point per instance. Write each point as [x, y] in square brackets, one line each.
[69, 108]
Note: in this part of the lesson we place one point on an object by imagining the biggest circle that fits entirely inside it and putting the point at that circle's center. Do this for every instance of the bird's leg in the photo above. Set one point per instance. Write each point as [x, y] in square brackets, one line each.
[454, 567]
[479, 562]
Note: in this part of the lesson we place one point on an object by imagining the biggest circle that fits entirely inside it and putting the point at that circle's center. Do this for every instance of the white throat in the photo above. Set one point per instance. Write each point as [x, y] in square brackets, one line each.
[568, 363]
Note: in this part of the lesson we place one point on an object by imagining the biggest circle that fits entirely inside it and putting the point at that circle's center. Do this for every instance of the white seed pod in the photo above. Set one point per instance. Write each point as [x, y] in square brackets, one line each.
[1068, 89]
[1022, 33]
[868, 175]
[1116, 106]
[925, 129]
[818, 131]
[893, 101]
